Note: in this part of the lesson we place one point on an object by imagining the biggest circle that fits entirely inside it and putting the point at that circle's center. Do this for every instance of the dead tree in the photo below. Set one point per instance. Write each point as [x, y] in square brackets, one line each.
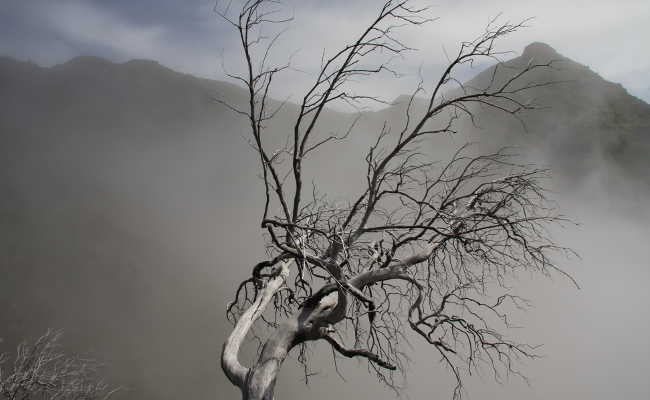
[423, 248]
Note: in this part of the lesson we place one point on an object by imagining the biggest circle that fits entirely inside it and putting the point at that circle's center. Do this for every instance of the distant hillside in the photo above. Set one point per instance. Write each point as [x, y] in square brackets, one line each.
[585, 129]
[116, 184]
[587, 122]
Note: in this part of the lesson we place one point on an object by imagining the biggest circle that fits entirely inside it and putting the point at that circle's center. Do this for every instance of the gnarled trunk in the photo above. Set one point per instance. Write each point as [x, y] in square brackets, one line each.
[311, 322]
[261, 378]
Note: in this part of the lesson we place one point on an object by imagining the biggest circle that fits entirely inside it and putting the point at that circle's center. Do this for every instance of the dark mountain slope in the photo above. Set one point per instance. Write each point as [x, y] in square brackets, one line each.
[585, 127]
[586, 123]
[112, 178]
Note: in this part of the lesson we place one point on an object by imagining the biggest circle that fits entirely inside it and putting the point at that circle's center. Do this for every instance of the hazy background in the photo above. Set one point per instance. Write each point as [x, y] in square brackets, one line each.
[129, 201]
[188, 37]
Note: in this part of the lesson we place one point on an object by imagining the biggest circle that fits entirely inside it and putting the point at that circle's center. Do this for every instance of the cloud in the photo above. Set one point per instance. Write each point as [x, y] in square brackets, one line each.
[601, 34]
[53, 32]
[92, 27]
[188, 36]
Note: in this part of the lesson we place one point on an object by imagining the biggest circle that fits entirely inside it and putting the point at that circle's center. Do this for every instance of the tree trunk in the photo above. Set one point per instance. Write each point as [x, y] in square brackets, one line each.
[261, 378]
[311, 322]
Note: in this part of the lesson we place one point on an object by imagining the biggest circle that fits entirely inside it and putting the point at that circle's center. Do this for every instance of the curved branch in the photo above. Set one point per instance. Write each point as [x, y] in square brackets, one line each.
[372, 357]
[230, 364]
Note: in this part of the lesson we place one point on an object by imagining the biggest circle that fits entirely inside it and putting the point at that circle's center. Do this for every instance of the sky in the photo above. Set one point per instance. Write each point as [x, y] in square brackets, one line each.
[186, 35]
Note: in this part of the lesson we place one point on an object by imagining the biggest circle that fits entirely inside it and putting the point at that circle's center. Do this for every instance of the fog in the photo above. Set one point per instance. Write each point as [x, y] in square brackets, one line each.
[130, 206]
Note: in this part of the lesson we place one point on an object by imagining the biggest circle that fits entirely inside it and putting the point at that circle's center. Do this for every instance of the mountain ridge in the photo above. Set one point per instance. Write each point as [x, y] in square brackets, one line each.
[583, 118]
[535, 50]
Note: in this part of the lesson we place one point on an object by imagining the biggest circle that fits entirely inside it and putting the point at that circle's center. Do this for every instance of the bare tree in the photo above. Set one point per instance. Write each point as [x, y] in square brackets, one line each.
[423, 248]
[42, 371]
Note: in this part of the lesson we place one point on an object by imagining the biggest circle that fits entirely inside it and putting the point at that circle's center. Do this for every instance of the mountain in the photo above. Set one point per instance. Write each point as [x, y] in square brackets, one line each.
[127, 194]
[586, 123]
[584, 128]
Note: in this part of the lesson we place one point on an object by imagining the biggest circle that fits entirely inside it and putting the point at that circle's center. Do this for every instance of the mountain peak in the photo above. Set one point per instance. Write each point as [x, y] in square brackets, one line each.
[143, 62]
[540, 51]
[87, 60]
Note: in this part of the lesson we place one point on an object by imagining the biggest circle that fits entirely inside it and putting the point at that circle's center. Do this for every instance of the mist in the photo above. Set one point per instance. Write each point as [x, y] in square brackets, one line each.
[130, 209]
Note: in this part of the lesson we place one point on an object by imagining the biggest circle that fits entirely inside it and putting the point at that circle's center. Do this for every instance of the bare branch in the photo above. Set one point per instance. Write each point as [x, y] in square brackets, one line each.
[350, 353]
[230, 364]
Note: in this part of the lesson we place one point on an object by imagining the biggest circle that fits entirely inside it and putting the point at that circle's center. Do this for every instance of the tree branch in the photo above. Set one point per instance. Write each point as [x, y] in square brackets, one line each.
[358, 353]
[230, 364]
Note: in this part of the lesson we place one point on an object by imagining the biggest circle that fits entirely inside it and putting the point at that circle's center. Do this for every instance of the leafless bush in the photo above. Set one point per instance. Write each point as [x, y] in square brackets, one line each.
[42, 371]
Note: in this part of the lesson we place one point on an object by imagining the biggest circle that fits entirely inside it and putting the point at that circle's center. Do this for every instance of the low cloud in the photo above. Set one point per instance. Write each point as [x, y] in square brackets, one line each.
[189, 37]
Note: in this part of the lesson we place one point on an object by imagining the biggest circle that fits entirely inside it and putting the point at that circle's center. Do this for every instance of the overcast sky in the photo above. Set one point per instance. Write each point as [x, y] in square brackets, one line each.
[187, 36]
